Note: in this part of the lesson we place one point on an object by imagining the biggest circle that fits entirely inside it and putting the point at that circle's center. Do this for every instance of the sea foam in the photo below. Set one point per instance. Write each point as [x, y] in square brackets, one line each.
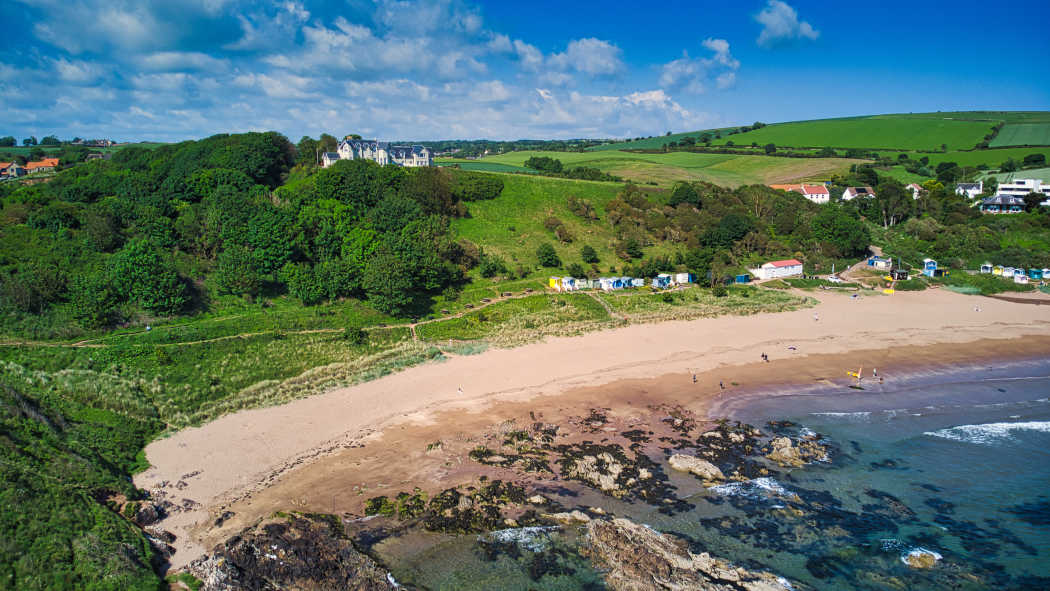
[533, 539]
[758, 489]
[989, 433]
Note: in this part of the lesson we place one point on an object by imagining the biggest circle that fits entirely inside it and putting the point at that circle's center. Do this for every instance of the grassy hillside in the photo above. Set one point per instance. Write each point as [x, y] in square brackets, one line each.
[877, 132]
[657, 142]
[25, 150]
[729, 170]
[1031, 173]
[991, 158]
[1022, 134]
[481, 166]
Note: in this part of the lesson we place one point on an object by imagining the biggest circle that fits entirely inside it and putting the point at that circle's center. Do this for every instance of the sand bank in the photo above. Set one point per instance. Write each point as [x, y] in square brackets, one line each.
[247, 452]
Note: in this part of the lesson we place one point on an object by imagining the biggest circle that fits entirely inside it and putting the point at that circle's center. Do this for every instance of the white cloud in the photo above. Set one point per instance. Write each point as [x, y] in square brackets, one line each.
[77, 72]
[590, 56]
[167, 61]
[693, 75]
[531, 58]
[780, 25]
[491, 91]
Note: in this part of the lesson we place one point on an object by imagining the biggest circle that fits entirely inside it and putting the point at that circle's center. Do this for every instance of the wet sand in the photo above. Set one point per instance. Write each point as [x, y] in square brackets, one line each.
[330, 452]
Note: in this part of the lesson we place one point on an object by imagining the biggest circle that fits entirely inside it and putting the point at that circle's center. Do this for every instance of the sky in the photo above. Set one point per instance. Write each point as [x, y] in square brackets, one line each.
[457, 69]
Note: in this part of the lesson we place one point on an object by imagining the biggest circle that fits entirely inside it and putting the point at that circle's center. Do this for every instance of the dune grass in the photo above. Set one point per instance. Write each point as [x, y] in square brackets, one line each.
[696, 302]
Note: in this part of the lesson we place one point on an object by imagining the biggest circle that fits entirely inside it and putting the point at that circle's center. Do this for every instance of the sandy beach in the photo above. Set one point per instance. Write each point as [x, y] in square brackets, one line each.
[298, 455]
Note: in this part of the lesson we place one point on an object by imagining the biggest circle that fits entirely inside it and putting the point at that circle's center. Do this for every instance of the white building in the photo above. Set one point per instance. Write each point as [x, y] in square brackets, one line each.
[1022, 187]
[969, 190]
[915, 189]
[853, 192]
[815, 193]
[380, 152]
[775, 269]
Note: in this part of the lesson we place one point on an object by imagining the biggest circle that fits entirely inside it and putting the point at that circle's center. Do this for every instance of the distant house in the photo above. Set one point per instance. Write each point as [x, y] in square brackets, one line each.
[1022, 187]
[775, 269]
[329, 158]
[45, 165]
[815, 193]
[684, 278]
[854, 192]
[969, 190]
[10, 170]
[916, 190]
[382, 153]
[662, 280]
[1002, 204]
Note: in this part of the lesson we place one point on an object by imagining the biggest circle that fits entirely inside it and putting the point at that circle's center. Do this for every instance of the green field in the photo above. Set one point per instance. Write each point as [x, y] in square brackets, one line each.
[1004, 116]
[1023, 134]
[879, 132]
[991, 158]
[657, 142]
[730, 170]
[1031, 173]
[25, 150]
[481, 166]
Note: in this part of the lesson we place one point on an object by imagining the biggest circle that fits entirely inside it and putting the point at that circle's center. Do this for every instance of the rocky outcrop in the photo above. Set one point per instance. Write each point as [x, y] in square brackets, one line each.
[638, 558]
[568, 518]
[702, 468]
[785, 453]
[297, 554]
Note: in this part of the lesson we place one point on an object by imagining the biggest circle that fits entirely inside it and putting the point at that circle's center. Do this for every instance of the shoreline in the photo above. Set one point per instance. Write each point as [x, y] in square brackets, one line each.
[221, 464]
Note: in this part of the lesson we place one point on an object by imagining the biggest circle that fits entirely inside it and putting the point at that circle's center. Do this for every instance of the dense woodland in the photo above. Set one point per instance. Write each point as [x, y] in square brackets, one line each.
[152, 235]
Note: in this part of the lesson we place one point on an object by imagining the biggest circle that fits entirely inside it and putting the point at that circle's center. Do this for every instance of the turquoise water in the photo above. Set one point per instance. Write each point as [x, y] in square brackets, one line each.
[953, 464]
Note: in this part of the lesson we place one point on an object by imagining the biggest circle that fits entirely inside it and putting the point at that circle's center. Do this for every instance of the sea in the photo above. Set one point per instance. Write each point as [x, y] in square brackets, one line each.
[949, 469]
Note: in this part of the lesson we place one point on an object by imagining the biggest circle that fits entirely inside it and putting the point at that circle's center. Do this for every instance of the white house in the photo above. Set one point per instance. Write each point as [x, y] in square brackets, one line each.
[916, 190]
[775, 269]
[382, 153]
[815, 193]
[329, 158]
[853, 192]
[969, 190]
[1022, 187]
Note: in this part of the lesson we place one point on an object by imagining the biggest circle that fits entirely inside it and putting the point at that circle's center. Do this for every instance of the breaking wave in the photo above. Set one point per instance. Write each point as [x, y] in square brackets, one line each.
[533, 539]
[758, 489]
[989, 433]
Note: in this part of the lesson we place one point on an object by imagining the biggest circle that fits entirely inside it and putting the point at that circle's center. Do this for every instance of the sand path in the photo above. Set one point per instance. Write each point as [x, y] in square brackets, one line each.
[249, 449]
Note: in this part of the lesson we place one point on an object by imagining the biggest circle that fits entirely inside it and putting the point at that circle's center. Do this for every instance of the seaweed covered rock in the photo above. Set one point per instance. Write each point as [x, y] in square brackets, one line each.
[299, 553]
[697, 467]
[639, 558]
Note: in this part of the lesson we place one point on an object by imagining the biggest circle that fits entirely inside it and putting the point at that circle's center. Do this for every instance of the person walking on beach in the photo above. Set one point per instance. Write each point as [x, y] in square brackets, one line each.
[874, 372]
[460, 390]
[816, 317]
[694, 377]
[721, 385]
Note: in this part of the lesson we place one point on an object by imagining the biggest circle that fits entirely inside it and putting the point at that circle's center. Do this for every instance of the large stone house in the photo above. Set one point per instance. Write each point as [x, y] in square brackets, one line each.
[380, 152]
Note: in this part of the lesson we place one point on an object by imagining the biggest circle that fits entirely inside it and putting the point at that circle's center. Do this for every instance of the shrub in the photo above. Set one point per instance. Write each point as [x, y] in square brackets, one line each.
[547, 255]
[719, 291]
[492, 265]
[588, 254]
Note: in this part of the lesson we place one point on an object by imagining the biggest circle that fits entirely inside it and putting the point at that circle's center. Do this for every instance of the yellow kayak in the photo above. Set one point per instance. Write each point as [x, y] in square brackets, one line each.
[889, 291]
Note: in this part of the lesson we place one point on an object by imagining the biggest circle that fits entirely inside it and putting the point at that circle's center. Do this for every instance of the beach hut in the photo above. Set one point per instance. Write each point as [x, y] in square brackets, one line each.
[1020, 271]
[569, 284]
[1008, 272]
[554, 283]
[1035, 273]
[662, 280]
[899, 275]
[997, 270]
[1022, 278]
[1046, 273]
[986, 268]
[684, 278]
[638, 282]
[928, 267]
[743, 278]
[879, 262]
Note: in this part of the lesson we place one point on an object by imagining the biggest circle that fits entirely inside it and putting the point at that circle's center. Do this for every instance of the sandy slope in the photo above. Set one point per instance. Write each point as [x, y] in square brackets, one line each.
[249, 449]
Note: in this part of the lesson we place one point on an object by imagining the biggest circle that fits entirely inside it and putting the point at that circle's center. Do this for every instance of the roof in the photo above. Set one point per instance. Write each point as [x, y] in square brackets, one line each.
[1002, 200]
[784, 263]
[331, 155]
[45, 163]
[860, 191]
[968, 186]
[786, 187]
[814, 189]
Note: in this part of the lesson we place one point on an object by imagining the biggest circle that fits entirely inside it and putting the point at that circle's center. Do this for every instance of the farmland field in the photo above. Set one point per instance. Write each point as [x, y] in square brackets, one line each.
[481, 166]
[25, 150]
[1023, 134]
[877, 132]
[992, 158]
[657, 142]
[665, 169]
[1031, 173]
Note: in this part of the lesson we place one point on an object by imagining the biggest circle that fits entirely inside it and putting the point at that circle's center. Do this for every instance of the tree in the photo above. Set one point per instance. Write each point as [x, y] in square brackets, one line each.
[1032, 201]
[770, 148]
[846, 235]
[29, 141]
[93, 300]
[237, 271]
[303, 283]
[893, 202]
[1010, 165]
[8, 141]
[544, 164]
[492, 265]
[547, 255]
[684, 193]
[388, 283]
[576, 270]
[141, 274]
[1035, 160]
[588, 254]
[50, 140]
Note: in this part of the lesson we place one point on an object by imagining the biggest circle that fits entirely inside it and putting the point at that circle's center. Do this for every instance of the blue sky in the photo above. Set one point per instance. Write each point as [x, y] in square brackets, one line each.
[436, 69]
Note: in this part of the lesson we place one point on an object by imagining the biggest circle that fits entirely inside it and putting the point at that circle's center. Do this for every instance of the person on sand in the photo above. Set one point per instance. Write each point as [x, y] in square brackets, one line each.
[460, 390]
[694, 378]
[874, 372]
[816, 317]
[721, 385]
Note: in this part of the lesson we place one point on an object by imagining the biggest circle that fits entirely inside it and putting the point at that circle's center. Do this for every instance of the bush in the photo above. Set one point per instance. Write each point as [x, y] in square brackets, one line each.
[548, 256]
[576, 270]
[719, 291]
[588, 254]
[492, 265]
